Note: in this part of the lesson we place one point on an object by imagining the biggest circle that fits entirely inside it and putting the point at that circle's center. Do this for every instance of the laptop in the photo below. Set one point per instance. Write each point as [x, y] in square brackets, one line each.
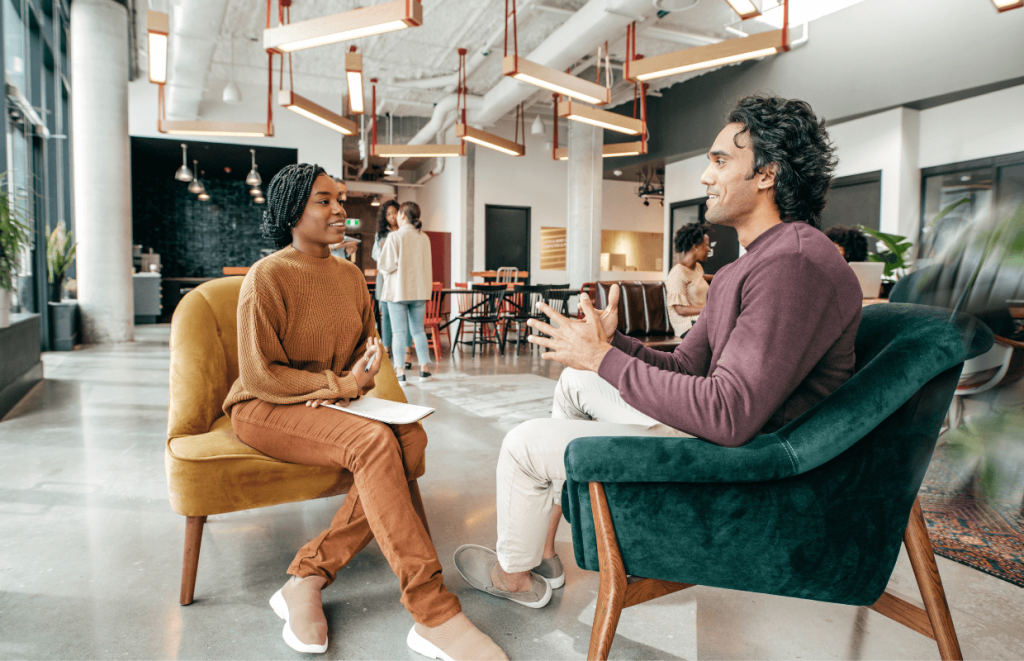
[869, 275]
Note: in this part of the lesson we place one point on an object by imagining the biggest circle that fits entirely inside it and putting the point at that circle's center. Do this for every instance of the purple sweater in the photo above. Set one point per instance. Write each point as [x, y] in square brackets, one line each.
[775, 338]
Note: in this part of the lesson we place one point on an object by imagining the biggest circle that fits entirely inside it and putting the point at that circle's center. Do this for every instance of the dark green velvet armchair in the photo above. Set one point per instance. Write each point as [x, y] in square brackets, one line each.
[816, 510]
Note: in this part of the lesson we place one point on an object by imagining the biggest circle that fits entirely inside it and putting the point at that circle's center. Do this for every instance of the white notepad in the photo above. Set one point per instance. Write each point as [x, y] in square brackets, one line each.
[384, 410]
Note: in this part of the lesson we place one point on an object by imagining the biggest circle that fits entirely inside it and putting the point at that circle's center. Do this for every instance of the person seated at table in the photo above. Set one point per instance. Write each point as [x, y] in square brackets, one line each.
[852, 243]
[775, 338]
[307, 338]
[685, 286]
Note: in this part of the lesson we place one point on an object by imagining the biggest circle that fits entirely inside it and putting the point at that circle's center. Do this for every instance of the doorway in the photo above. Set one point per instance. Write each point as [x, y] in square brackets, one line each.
[507, 237]
[725, 243]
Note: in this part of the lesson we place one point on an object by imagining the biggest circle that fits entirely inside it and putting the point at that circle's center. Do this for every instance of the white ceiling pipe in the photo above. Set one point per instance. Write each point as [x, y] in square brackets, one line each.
[588, 28]
[582, 33]
[442, 110]
[195, 29]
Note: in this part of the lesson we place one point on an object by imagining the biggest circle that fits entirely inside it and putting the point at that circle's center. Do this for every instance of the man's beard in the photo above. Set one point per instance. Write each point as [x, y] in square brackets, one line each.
[716, 215]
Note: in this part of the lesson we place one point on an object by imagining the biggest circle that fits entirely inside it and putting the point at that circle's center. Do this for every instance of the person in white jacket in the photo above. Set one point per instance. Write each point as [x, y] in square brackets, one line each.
[405, 259]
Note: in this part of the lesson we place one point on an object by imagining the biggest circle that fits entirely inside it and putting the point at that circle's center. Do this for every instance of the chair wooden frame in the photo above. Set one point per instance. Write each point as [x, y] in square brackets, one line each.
[194, 539]
[617, 591]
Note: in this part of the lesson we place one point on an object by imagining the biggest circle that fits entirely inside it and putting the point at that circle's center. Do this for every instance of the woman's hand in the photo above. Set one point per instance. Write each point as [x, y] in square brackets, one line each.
[314, 403]
[371, 359]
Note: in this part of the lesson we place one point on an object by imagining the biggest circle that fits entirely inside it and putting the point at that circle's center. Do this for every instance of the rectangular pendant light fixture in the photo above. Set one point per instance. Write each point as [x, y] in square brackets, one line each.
[745, 8]
[377, 19]
[623, 149]
[416, 151]
[551, 79]
[157, 28]
[354, 74]
[1007, 5]
[223, 129]
[703, 57]
[489, 140]
[303, 106]
[609, 151]
[600, 118]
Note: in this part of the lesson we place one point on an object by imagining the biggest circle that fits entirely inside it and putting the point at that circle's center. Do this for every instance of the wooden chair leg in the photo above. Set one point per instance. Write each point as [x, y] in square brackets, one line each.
[417, 502]
[611, 596]
[922, 559]
[190, 562]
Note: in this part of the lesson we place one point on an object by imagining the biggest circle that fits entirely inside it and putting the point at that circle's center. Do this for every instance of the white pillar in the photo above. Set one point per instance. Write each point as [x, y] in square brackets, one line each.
[100, 149]
[583, 235]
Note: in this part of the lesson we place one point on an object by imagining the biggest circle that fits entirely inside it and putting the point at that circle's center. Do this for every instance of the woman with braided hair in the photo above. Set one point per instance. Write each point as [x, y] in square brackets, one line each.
[306, 337]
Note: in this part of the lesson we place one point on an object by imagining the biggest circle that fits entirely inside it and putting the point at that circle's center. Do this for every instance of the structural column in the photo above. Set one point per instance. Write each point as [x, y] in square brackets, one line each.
[101, 164]
[583, 235]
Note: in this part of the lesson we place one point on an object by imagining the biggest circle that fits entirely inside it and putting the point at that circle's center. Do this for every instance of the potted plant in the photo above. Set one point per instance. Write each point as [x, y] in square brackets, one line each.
[894, 257]
[60, 254]
[14, 237]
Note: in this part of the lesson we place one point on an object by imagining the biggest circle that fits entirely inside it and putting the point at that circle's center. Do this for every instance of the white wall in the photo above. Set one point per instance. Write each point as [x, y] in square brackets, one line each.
[316, 143]
[539, 182]
[987, 125]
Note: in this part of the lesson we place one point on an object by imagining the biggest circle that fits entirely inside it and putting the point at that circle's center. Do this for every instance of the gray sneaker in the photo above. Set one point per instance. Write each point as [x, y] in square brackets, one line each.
[550, 569]
[475, 563]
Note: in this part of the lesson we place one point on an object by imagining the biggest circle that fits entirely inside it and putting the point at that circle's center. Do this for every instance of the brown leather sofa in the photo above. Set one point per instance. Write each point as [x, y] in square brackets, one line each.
[643, 312]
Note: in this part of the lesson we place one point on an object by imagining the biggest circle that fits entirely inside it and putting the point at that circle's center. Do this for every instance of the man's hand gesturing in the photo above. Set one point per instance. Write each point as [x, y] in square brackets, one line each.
[610, 315]
[583, 344]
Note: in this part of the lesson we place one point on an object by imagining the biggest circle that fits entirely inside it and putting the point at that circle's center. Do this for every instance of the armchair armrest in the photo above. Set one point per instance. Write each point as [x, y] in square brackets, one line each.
[677, 459]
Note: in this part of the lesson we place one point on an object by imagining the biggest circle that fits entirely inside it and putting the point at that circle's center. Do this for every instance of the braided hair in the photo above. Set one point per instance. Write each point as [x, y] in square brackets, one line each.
[287, 195]
[690, 235]
[382, 219]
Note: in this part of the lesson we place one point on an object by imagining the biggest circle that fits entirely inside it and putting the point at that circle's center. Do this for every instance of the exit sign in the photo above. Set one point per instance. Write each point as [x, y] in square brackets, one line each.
[351, 222]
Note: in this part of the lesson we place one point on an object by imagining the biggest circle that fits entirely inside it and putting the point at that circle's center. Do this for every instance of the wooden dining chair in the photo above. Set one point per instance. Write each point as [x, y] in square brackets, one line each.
[433, 321]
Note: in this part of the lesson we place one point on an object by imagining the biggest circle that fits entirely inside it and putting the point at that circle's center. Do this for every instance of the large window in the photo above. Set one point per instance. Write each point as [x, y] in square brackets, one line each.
[38, 158]
[993, 188]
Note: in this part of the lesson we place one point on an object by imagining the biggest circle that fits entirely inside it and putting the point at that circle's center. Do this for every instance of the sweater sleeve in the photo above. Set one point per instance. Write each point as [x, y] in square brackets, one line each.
[788, 319]
[369, 330]
[691, 356]
[263, 366]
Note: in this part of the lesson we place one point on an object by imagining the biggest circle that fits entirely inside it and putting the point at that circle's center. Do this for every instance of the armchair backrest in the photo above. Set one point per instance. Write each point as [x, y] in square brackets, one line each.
[643, 307]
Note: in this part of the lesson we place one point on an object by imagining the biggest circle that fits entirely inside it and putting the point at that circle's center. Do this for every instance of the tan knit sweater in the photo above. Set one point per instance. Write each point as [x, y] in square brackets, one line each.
[302, 322]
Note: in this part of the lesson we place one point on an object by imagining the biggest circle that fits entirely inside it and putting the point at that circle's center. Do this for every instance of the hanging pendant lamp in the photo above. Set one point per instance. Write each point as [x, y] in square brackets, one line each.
[196, 186]
[253, 178]
[205, 195]
[183, 173]
[232, 93]
[255, 192]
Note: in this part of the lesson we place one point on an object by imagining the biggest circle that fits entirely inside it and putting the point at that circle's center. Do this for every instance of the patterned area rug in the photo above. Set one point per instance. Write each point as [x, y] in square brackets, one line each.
[966, 528]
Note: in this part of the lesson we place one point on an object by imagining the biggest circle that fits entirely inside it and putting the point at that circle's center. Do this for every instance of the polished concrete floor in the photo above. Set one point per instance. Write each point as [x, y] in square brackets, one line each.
[90, 551]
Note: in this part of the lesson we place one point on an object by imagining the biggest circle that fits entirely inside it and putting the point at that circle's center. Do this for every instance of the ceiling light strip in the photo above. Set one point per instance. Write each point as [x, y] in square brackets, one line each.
[745, 8]
[1007, 5]
[378, 19]
[416, 151]
[600, 118]
[557, 81]
[354, 74]
[489, 140]
[703, 57]
[306, 108]
[157, 29]
[624, 149]
[223, 129]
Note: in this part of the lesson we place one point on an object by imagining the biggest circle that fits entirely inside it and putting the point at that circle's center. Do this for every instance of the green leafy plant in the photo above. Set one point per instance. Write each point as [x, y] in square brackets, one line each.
[60, 252]
[895, 257]
[14, 236]
[996, 442]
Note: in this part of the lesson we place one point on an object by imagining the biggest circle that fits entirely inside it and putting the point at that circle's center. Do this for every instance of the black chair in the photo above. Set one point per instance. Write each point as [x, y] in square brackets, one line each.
[484, 309]
[523, 302]
[558, 298]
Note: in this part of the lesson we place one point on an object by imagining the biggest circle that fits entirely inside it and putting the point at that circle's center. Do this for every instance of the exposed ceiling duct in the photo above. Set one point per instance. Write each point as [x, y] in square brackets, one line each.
[195, 29]
[596, 22]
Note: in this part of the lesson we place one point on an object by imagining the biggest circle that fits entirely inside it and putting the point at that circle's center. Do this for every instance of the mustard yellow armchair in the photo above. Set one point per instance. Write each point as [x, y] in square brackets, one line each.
[210, 471]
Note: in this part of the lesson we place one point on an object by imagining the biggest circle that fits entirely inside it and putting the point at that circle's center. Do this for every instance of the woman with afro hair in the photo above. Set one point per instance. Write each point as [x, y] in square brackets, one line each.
[685, 285]
[306, 338]
[852, 244]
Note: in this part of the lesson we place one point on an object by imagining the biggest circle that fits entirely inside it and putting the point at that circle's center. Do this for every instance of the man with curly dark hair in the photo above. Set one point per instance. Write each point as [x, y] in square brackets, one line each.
[775, 337]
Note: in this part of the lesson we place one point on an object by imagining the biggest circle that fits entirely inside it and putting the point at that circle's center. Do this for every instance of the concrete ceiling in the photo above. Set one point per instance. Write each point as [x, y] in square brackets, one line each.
[431, 50]
[211, 32]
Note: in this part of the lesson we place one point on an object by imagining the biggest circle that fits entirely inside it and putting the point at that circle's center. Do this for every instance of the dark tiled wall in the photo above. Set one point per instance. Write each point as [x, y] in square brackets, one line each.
[197, 239]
